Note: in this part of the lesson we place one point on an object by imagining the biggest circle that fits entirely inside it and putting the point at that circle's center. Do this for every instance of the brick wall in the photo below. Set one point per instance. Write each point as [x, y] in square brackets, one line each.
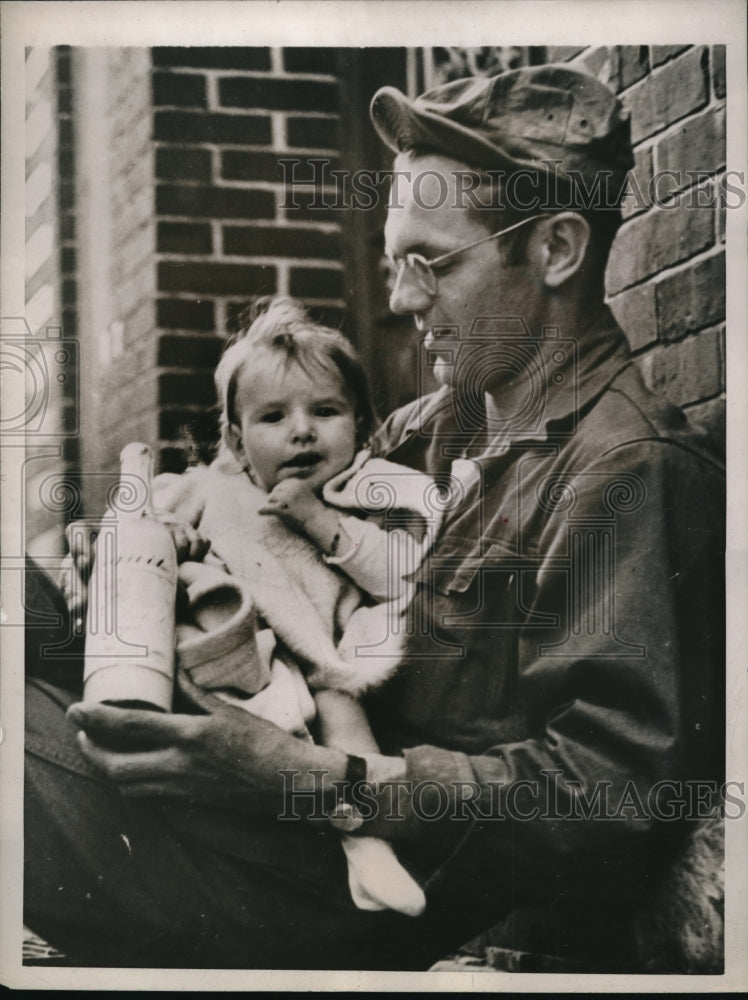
[666, 278]
[221, 119]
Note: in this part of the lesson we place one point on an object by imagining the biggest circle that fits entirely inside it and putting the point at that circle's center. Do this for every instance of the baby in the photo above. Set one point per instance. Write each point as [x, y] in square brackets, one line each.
[326, 537]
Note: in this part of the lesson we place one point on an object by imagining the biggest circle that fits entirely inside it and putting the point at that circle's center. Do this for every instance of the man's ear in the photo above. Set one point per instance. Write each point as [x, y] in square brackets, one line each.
[563, 247]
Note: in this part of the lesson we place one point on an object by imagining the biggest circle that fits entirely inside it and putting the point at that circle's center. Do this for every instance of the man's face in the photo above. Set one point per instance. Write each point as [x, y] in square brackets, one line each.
[474, 284]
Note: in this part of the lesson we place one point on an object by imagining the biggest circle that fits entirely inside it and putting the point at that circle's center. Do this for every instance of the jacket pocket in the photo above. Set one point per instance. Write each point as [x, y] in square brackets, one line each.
[455, 571]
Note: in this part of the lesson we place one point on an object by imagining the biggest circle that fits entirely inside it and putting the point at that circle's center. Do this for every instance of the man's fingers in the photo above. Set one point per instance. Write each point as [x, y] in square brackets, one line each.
[131, 728]
[133, 769]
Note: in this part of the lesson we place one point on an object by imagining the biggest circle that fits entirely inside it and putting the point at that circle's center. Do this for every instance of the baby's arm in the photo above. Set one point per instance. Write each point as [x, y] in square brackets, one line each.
[378, 561]
[302, 510]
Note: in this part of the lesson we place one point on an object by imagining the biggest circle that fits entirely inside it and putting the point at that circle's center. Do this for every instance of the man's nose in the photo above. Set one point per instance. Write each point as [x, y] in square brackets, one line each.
[407, 295]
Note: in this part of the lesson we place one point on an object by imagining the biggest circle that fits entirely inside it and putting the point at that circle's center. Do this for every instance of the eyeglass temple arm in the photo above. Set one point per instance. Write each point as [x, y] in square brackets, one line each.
[485, 239]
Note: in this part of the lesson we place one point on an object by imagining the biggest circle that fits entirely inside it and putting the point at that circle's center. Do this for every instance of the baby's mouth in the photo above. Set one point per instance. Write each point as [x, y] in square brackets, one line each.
[304, 460]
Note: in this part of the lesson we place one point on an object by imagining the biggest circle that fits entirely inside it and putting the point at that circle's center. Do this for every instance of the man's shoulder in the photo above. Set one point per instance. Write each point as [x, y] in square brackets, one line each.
[628, 415]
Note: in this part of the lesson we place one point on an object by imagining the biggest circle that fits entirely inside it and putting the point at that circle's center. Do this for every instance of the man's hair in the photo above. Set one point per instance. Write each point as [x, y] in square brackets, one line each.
[281, 326]
[498, 200]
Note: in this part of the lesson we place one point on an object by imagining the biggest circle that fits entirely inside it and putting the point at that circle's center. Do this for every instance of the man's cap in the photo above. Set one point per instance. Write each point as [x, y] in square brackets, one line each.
[545, 119]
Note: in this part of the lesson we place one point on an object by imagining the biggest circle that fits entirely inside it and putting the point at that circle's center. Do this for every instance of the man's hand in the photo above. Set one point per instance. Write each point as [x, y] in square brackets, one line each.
[230, 756]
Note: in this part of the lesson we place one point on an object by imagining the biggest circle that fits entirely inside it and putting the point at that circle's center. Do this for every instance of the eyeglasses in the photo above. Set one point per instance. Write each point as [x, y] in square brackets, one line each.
[422, 270]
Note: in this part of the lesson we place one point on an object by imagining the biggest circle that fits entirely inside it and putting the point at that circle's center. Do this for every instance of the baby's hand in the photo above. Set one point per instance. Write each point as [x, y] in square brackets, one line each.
[190, 545]
[294, 502]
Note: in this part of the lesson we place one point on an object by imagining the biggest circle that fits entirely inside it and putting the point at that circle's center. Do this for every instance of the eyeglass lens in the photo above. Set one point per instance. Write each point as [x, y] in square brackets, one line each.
[421, 271]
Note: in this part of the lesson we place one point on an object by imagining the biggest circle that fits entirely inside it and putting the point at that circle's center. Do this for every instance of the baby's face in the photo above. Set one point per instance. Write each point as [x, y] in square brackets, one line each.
[291, 424]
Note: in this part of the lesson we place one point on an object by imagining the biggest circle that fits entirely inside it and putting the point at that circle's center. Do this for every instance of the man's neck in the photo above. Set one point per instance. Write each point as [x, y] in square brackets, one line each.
[568, 321]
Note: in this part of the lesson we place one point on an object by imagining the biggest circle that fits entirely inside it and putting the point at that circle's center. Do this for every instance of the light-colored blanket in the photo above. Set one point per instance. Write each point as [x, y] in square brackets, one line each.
[319, 615]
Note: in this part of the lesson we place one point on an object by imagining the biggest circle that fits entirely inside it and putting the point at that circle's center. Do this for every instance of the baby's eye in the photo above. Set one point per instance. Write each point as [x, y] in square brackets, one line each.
[271, 417]
[327, 411]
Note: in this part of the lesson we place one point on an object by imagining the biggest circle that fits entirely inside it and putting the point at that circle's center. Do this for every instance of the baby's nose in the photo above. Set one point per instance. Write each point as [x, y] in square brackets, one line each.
[302, 427]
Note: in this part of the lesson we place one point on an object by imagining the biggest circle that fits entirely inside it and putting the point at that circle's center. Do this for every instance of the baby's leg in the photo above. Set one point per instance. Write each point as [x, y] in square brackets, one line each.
[376, 878]
[343, 723]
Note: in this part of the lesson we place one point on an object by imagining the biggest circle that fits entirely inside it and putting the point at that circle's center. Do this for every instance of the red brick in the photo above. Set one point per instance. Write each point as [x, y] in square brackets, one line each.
[65, 131]
[183, 163]
[62, 64]
[69, 292]
[311, 60]
[209, 57]
[185, 314]
[671, 93]
[661, 53]
[277, 94]
[191, 389]
[188, 352]
[65, 195]
[633, 64]
[64, 101]
[711, 417]
[313, 132]
[214, 202]
[184, 237]
[216, 279]
[68, 259]
[70, 322]
[719, 81]
[637, 198]
[197, 126]
[67, 225]
[691, 298]
[253, 241]
[65, 161]
[698, 145]
[634, 310]
[316, 283]
[688, 371]
[304, 205]
[242, 165]
[658, 239]
[185, 90]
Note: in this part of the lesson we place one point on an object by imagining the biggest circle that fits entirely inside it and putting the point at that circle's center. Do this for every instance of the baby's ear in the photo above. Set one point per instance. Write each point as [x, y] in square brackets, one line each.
[233, 438]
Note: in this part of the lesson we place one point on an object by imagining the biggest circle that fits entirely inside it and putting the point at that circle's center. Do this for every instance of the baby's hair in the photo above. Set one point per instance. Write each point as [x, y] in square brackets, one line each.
[282, 326]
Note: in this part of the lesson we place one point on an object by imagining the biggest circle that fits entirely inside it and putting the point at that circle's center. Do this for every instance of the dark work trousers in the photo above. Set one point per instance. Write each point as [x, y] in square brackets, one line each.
[120, 881]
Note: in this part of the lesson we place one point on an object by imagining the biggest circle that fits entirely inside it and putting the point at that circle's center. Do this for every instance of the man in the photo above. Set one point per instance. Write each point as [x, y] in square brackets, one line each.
[564, 658]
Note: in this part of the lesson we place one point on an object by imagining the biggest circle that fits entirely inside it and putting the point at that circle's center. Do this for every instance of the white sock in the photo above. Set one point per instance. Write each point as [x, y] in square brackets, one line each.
[377, 880]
